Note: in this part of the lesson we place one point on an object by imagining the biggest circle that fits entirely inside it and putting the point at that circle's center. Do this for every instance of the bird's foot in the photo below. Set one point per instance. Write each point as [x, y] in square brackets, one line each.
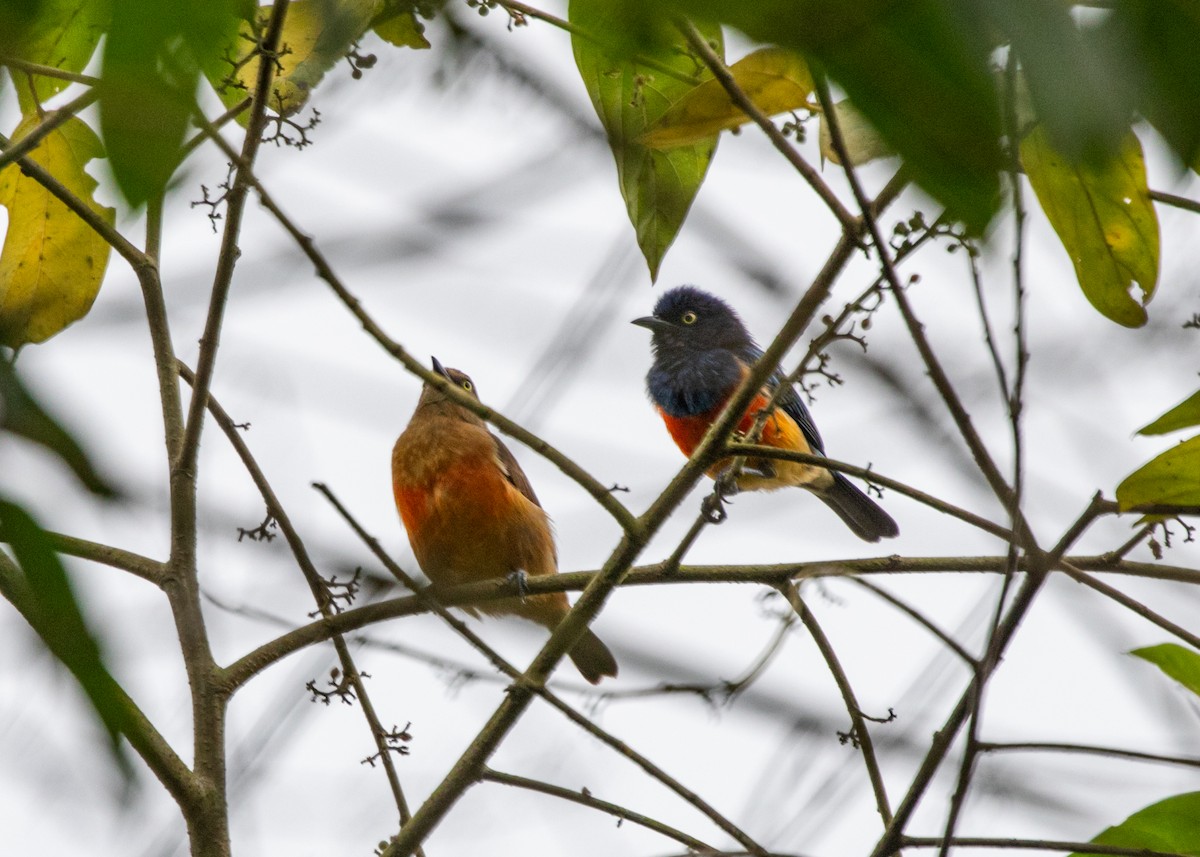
[713, 508]
[521, 580]
[713, 505]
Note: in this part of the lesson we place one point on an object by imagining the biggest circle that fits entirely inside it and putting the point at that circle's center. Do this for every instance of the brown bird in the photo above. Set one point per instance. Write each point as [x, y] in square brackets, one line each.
[471, 514]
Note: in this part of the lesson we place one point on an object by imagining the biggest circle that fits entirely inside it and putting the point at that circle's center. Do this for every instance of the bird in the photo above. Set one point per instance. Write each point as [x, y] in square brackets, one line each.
[702, 351]
[471, 514]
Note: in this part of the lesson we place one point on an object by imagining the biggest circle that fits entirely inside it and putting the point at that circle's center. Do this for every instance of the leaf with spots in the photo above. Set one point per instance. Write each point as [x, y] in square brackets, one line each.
[52, 262]
[1106, 221]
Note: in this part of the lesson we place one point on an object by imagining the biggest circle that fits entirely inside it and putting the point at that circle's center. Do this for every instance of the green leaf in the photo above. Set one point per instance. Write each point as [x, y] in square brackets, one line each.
[59, 33]
[1105, 219]
[147, 92]
[629, 97]
[776, 80]
[1184, 415]
[919, 71]
[1171, 479]
[152, 61]
[1161, 37]
[52, 262]
[1171, 825]
[21, 415]
[1077, 92]
[398, 24]
[1179, 663]
[42, 592]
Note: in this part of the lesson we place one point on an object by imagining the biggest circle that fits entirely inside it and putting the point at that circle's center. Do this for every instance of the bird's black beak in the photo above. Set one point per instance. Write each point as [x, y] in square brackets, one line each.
[651, 322]
[439, 368]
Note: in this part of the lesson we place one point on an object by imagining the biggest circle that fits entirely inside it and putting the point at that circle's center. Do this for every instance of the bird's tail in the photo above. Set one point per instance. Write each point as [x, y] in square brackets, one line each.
[860, 513]
[592, 658]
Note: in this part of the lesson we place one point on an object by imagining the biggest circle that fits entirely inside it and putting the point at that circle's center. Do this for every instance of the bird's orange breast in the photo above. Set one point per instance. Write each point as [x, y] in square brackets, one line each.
[780, 430]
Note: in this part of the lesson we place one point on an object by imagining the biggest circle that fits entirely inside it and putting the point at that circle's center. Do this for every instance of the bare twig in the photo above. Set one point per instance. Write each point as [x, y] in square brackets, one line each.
[861, 735]
[850, 224]
[584, 798]
[425, 598]
[319, 588]
[1116, 752]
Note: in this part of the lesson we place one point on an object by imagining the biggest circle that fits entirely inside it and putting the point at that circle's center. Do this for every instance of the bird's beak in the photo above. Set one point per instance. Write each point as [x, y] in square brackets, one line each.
[439, 368]
[651, 322]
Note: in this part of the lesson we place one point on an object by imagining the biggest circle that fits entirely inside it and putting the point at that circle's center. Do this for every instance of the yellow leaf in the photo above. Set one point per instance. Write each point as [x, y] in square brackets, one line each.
[776, 80]
[861, 140]
[316, 34]
[1106, 221]
[52, 262]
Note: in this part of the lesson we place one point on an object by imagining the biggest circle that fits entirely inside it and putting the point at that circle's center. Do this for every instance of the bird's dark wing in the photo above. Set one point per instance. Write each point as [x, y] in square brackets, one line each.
[791, 403]
[513, 472]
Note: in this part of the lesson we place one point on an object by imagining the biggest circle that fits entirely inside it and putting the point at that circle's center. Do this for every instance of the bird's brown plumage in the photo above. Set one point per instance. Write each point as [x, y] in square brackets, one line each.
[471, 514]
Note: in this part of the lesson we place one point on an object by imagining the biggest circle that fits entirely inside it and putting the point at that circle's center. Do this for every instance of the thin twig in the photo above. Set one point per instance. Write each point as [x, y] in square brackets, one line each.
[51, 121]
[850, 224]
[757, 451]
[474, 594]
[38, 69]
[426, 599]
[861, 734]
[598, 490]
[147, 569]
[235, 204]
[1131, 604]
[1036, 845]
[919, 617]
[1176, 201]
[135, 257]
[318, 588]
[1039, 566]
[583, 798]
[512, 6]
[1116, 752]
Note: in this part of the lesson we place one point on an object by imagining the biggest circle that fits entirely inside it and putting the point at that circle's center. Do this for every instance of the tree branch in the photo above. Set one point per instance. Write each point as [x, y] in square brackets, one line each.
[318, 588]
[861, 734]
[584, 798]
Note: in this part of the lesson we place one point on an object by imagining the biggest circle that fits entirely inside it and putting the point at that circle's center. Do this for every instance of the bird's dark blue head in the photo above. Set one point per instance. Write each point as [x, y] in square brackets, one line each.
[688, 320]
[700, 348]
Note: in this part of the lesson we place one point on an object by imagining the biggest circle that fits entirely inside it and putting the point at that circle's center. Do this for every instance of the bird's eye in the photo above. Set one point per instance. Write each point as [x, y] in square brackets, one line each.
[467, 385]
[688, 317]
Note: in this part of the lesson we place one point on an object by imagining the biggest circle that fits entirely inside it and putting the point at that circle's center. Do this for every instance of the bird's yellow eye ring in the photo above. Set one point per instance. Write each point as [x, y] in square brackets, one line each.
[466, 385]
[688, 317]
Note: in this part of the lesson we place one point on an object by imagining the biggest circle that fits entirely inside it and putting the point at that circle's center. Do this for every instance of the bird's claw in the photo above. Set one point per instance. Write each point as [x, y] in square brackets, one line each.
[713, 508]
[521, 580]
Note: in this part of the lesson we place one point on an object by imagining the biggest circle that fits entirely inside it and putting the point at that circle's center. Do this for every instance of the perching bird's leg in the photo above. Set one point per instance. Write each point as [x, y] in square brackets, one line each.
[521, 579]
[724, 487]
